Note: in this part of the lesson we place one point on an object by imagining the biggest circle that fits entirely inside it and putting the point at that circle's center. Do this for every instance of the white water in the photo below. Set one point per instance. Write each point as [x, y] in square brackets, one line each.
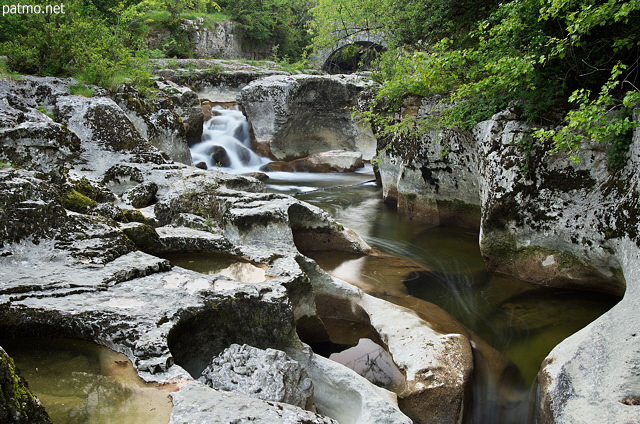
[227, 130]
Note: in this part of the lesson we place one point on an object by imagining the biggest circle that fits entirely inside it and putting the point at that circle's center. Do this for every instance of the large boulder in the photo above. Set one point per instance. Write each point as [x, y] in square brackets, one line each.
[332, 161]
[294, 116]
[266, 374]
[169, 120]
[433, 178]
[30, 138]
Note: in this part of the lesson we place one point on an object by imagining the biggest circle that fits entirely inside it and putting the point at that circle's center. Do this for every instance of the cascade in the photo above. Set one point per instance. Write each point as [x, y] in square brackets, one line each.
[225, 143]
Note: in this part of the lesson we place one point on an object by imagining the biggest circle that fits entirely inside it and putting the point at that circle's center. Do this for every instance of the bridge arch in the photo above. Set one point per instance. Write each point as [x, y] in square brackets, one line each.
[362, 39]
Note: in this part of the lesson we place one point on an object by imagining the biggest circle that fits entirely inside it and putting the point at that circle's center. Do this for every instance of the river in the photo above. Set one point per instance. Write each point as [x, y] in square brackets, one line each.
[521, 321]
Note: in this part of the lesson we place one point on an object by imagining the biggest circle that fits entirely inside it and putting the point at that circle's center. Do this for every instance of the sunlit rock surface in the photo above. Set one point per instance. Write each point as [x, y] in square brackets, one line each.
[266, 374]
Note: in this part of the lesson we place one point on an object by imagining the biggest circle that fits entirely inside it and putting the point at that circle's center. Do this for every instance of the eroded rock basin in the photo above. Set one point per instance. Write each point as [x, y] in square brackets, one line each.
[82, 382]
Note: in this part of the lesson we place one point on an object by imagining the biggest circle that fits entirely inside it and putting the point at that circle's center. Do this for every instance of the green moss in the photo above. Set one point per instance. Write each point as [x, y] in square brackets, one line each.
[410, 196]
[77, 202]
[459, 207]
[15, 397]
[144, 237]
[128, 215]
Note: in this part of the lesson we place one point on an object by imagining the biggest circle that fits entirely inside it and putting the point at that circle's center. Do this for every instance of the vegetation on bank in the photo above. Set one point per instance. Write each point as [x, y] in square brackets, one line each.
[107, 42]
[572, 63]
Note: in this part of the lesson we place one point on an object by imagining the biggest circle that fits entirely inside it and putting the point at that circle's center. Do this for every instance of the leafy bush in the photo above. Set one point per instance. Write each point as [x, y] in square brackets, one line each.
[550, 58]
[78, 43]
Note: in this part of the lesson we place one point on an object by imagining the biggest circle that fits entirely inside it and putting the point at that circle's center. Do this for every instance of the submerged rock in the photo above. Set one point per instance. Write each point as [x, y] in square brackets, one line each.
[266, 374]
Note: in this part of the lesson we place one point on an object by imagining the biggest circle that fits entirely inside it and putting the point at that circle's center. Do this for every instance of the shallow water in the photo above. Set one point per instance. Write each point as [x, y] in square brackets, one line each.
[230, 266]
[444, 266]
[80, 382]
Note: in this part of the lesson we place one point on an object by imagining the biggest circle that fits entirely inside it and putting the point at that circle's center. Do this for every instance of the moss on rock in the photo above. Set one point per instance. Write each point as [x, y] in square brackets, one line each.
[17, 403]
[77, 202]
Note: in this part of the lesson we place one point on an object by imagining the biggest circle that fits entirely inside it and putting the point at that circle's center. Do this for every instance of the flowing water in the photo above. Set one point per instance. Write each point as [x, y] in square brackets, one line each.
[80, 382]
[225, 143]
[520, 321]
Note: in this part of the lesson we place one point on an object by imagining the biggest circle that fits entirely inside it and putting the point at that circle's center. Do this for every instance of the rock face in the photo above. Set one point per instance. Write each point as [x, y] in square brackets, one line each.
[266, 374]
[547, 220]
[19, 405]
[433, 179]
[332, 161]
[166, 119]
[294, 116]
[221, 41]
[218, 81]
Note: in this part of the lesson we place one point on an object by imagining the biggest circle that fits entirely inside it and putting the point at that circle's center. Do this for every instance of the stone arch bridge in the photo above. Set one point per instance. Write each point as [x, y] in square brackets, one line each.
[344, 38]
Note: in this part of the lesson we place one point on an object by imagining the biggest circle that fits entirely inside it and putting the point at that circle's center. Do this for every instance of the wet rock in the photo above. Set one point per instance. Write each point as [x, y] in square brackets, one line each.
[141, 195]
[332, 161]
[220, 157]
[294, 116]
[17, 404]
[260, 176]
[554, 222]
[437, 367]
[266, 374]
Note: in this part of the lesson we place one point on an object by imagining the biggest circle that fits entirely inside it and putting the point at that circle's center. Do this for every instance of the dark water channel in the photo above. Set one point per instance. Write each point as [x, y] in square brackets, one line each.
[520, 320]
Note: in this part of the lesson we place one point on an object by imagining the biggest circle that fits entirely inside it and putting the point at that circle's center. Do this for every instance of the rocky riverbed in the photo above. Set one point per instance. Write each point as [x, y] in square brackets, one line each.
[95, 189]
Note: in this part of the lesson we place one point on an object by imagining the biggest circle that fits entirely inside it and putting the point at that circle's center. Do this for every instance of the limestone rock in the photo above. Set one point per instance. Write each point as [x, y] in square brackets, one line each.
[31, 139]
[435, 178]
[294, 116]
[141, 195]
[99, 120]
[266, 374]
[331, 161]
[17, 404]
[223, 40]
[30, 207]
[168, 121]
[201, 404]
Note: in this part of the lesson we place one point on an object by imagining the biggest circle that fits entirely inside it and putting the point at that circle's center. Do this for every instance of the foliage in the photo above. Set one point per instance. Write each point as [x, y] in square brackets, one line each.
[81, 90]
[281, 23]
[602, 119]
[79, 43]
[532, 54]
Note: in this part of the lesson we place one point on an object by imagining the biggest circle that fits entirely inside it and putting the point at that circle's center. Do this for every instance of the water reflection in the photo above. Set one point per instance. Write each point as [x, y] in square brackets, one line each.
[521, 320]
[231, 266]
[80, 382]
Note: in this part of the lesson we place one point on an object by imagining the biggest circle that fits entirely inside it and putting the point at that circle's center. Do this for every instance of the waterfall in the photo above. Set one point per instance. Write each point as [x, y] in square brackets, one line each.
[225, 144]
